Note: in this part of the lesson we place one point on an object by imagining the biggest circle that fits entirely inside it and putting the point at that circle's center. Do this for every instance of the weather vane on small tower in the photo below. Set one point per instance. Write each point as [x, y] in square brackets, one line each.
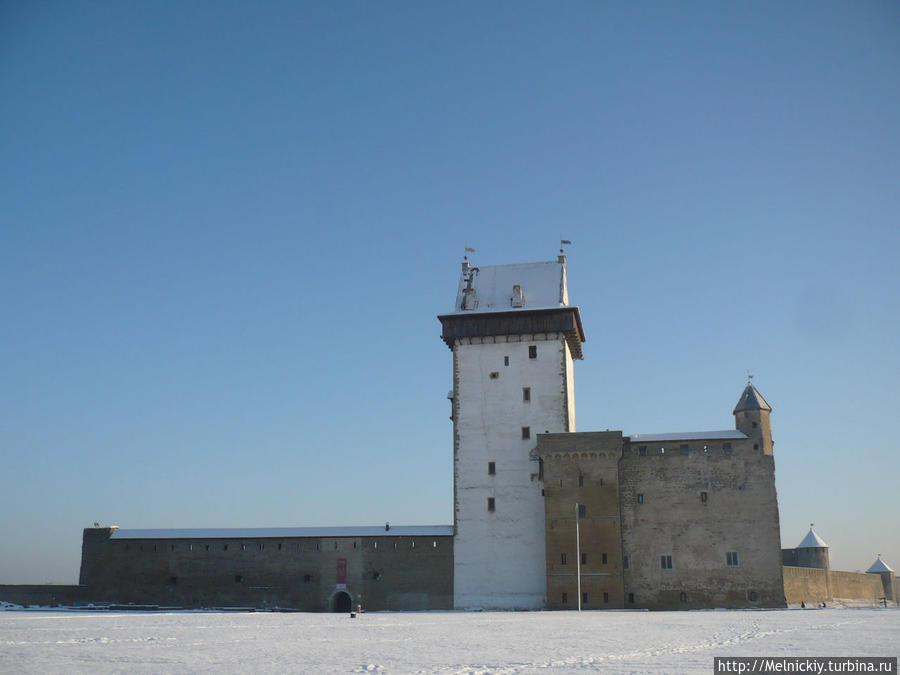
[749, 377]
[467, 251]
[563, 242]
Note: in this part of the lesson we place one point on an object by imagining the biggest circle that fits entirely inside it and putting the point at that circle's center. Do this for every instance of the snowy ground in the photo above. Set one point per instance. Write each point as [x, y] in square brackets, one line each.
[432, 642]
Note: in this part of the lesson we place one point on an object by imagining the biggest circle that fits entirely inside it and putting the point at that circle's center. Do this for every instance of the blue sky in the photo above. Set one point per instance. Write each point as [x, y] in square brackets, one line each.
[227, 227]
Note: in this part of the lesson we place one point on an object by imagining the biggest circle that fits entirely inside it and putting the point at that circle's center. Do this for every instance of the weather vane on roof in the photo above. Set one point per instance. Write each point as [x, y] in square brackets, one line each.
[467, 252]
[811, 525]
[749, 377]
[563, 242]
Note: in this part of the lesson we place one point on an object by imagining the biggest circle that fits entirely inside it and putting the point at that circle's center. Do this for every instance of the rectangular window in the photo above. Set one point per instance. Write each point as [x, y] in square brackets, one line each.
[492, 468]
[584, 558]
[495, 375]
[604, 559]
[562, 559]
[491, 504]
[584, 598]
[631, 598]
[665, 561]
[582, 510]
[307, 578]
[640, 499]
[625, 562]
[505, 360]
[642, 451]
[731, 558]
[580, 480]
[605, 597]
[526, 394]
[532, 351]
[565, 599]
[703, 497]
[526, 433]
[685, 450]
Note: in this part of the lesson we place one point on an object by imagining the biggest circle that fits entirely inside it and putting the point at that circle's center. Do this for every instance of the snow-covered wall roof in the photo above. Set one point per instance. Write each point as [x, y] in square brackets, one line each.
[727, 434]
[275, 532]
[541, 285]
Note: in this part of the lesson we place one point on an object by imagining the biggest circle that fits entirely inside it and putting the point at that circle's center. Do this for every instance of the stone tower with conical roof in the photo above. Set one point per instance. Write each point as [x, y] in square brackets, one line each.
[751, 415]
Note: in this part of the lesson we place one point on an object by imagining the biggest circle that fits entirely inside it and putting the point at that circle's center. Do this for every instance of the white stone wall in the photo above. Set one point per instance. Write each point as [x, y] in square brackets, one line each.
[499, 556]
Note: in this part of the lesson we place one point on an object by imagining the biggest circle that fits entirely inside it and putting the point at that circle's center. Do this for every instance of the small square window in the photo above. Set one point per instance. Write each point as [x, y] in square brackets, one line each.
[642, 451]
[582, 510]
[505, 360]
[526, 433]
[492, 468]
[491, 504]
[665, 562]
[532, 351]
[526, 394]
[731, 559]
[703, 497]
[495, 375]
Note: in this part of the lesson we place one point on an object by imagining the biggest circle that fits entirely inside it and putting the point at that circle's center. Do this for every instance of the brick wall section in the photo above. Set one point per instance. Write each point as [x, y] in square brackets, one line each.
[389, 572]
[856, 585]
[585, 472]
[46, 595]
[663, 514]
[805, 584]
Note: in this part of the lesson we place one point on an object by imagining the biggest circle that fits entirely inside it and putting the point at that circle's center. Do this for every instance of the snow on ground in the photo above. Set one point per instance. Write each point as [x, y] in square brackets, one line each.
[432, 642]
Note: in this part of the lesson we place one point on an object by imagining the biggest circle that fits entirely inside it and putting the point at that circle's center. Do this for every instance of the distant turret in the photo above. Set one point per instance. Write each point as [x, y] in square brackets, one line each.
[751, 415]
[880, 568]
[813, 551]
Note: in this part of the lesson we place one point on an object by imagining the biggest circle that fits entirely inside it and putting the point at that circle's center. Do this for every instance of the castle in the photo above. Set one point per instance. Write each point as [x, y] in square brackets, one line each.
[544, 516]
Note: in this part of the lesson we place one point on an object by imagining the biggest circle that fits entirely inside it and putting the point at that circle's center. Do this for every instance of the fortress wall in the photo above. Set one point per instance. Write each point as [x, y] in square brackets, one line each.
[663, 514]
[47, 595]
[389, 572]
[856, 585]
[805, 584]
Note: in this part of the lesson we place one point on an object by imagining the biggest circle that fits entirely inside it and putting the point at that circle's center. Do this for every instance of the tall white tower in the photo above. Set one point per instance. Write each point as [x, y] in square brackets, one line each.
[514, 338]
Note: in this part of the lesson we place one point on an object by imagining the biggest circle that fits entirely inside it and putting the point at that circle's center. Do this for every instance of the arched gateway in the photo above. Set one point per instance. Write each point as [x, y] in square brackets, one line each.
[340, 602]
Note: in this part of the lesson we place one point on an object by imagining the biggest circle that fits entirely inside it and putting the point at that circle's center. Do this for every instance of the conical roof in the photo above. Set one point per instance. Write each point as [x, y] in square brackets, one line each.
[751, 399]
[812, 540]
[878, 567]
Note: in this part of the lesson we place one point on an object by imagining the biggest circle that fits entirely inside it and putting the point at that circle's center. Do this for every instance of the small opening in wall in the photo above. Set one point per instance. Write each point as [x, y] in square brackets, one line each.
[631, 598]
[756, 446]
[243, 547]
[726, 447]
[261, 547]
[604, 559]
[491, 504]
[565, 598]
[682, 597]
[354, 544]
[685, 449]
[582, 510]
[665, 562]
[492, 468]
[584, 558]
[279, 547]
[640, 499]
[173, 580]
[754, 425]
[224, 547]
[495, 375]
[532, 351]
[505, 360]
[172, 547]
[642, 451]
[395, 545]
[190, 547]
[207, 547]
[605, 597]
[376, 575]
[238, 578]
[335, 546]
[703, 497]
[731, 559]
[307, 578]
[562, 559]
[581, 480]
[434, 544]
[374, 544]
[526, 394]
[526, 433]
[752, 596]
[625, 562]
[662, 451]
[584, 598]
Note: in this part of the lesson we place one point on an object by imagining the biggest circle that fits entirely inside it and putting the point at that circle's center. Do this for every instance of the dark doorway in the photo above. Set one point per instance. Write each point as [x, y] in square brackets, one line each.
[341, 602]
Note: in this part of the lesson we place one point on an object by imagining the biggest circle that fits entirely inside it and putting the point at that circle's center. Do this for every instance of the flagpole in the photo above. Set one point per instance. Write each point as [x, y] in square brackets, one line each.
[578, 554]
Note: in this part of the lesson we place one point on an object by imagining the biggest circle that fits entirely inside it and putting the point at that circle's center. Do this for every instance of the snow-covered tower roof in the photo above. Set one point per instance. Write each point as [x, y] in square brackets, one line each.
[751, 399]
[521, 299]
[509, 288]
[878, 567]
[812, 540]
